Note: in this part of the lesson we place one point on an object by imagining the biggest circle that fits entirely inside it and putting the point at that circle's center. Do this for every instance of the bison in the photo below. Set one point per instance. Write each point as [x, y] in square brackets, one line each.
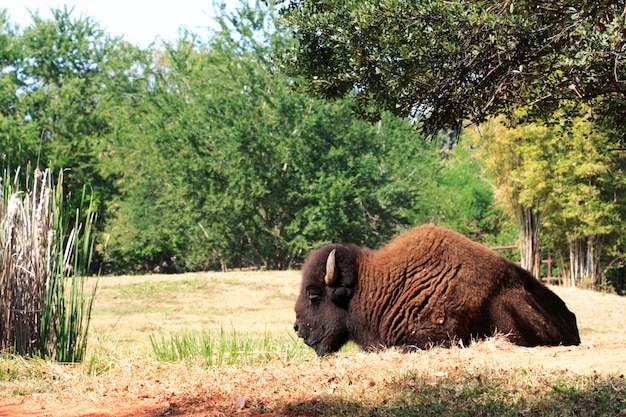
[428, 286]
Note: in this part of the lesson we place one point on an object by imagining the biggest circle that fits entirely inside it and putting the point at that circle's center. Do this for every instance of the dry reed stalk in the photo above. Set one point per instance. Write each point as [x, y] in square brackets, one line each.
[26, 240]
[38, 257]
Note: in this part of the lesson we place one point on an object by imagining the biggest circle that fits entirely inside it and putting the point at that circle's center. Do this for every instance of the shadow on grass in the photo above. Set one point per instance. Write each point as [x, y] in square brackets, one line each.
[507, 395]
[477, 395]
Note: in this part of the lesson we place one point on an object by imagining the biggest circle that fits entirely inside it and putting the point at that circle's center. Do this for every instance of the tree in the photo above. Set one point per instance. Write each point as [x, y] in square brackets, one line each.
[444, 62]
[560, 191]
[19, 139]
[59, 80]
[203, 155]
[518, 162]
[224, 164]
[587, 180]
[465, 200]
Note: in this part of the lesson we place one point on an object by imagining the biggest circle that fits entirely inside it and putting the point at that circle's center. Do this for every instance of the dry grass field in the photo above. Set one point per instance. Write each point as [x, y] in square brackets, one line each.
[123, 377]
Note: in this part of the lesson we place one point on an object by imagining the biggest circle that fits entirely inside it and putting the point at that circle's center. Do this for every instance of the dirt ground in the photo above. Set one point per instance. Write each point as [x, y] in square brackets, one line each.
[244, 392]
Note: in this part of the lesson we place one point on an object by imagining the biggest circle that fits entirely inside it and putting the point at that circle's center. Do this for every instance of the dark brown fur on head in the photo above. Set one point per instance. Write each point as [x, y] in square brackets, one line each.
[427, 287]
[322, 309]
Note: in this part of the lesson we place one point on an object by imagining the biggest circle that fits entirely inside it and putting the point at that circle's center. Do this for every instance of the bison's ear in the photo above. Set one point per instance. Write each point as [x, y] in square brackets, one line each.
[341, 296]
[330, 276]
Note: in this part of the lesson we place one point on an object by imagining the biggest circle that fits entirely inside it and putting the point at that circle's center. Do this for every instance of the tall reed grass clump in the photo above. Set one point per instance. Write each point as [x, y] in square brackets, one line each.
[45, 256]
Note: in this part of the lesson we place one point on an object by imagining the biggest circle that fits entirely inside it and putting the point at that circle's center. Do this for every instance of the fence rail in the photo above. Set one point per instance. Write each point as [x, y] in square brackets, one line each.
[549, 262]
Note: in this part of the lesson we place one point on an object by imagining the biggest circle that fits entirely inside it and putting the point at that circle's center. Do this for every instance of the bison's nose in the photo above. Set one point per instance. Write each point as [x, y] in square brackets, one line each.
[300, 330]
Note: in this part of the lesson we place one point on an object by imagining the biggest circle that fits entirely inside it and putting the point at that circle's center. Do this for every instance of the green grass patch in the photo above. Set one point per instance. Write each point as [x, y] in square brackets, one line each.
[509, 393]
[227, 347]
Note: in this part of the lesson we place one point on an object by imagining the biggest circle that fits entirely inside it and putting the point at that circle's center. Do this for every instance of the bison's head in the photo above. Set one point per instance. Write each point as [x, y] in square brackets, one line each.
[329, 277]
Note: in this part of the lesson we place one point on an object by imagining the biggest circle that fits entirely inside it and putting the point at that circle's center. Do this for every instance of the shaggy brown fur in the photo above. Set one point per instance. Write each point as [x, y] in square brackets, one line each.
[428, 286]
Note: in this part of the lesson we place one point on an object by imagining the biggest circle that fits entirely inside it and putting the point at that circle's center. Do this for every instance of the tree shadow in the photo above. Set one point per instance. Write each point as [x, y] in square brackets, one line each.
[514, 393]
[477, 396]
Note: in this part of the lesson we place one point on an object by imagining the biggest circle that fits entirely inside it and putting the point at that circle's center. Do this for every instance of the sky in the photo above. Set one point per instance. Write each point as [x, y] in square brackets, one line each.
[139, 22]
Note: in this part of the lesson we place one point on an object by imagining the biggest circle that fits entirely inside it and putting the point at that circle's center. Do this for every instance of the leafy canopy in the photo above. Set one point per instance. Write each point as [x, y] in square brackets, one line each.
[443, 62]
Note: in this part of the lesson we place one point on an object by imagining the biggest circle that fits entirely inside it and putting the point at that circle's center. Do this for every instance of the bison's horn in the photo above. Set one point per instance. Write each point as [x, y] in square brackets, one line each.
[329, 278]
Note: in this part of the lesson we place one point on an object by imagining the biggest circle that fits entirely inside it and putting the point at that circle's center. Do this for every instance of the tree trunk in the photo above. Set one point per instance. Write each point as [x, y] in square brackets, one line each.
[576, 261]
[594, 247]
[584, 254]
[530, 226]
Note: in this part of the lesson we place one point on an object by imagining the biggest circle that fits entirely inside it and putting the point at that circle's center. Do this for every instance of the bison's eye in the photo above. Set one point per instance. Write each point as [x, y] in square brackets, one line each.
[314, 294]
